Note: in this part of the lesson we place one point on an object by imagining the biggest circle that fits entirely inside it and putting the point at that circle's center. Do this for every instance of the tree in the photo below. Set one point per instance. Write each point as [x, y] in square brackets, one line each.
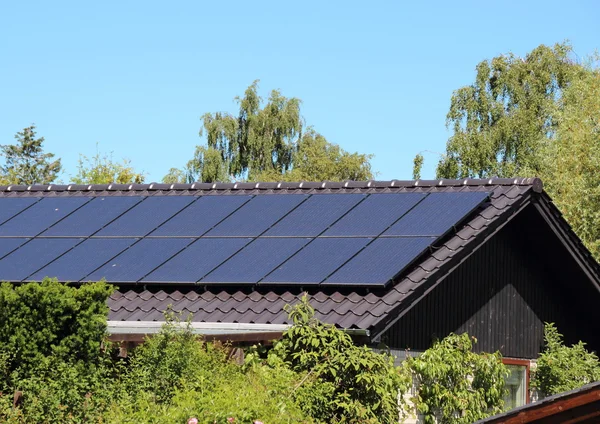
[562, 368]
[315, 159]
[536, 116]
[268, 143]
[571, 163]
[102, 169]
[25, 163]
[417, 166]
[501, 122]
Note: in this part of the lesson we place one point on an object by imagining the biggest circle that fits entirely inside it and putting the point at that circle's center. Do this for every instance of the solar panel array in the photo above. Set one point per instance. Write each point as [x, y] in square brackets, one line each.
[265, 239]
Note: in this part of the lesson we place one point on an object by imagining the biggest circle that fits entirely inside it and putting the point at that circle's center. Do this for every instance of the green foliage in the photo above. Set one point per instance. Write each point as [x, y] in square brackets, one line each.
[342, 382]
[175, 375]
[267, 143]
[315, 159]
[175, 176]
[171, 377]
[51, 338]
[533, 116]
[571, 164]
[166, 361]
[26, 163]
[102, 169]
[38, 320]
[417, 166]
[501, 121]
[456, 385]
[562, 368]
[59, 391]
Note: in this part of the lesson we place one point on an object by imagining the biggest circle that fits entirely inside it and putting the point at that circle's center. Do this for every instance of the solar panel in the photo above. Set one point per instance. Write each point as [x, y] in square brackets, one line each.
[7, 245]
[437, 214]
[313, 216]
[9, 207]
[83, 259]
[139, 260]
[92, 216]
[200, 216]
[376, 213]
[41, 215]
[32, 256]
[380, 261]
[256, 260]
[316, 261]
[257, 215]
[197, 260]
[146, 216]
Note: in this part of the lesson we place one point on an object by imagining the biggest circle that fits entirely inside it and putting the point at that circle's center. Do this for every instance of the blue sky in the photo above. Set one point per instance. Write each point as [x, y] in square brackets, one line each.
[374, 77]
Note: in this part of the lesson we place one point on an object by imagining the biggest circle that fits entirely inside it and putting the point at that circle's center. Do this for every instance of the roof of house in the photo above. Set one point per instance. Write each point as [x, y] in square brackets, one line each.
[365, 303]
[581, 405]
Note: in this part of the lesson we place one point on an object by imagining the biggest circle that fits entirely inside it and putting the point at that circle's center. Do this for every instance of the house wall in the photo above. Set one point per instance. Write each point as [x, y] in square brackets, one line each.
[503, 294]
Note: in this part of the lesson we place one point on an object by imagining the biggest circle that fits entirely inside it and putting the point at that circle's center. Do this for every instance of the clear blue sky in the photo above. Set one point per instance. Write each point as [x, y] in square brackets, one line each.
[373, 76]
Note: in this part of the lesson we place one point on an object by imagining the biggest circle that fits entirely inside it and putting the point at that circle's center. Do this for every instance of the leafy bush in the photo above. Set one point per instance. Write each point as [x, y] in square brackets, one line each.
[175, 375]
[456, 385]
[48, 318]
[561, 368]
[342, 382]
[51, 349]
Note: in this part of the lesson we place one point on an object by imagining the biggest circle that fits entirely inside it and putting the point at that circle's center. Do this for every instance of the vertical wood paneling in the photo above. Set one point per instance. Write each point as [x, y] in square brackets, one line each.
[503, 294]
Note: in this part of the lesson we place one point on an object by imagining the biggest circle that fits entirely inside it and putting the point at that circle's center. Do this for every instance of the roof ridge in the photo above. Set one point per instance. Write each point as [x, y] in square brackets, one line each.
[517, 181]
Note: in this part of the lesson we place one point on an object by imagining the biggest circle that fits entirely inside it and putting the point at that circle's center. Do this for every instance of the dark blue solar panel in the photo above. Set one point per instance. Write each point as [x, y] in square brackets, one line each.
[7, 245]
[312, 217]
[197, 260]
[146, 216]
[376, 213]
[92, 216]
[41, 215]
[200, 216]
[83, 259]
[380, 261]
[139, 260]
[9, 207]
[437, 214]
[256, 260]
[32, 256]
[316, 261]
[257, 215]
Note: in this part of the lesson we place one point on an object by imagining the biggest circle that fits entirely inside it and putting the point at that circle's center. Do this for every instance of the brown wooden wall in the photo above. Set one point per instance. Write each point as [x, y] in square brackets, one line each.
[504, 293]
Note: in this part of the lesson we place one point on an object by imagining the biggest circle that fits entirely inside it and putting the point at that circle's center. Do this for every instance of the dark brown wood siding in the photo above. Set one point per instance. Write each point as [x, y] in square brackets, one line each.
[503, 294]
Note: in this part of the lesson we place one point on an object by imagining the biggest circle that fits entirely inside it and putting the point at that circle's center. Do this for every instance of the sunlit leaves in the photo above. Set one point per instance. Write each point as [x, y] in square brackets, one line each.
[26, 163]
[501, 120]
[562, 368]
[102, 169]
[267, 141]
[456, 385]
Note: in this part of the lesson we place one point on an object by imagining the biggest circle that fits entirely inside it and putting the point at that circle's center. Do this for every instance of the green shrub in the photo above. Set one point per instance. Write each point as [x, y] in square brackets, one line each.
[456, 385]
[51, 338]
[49, 318]
[175, 375]
[561, 368]
[342, 382]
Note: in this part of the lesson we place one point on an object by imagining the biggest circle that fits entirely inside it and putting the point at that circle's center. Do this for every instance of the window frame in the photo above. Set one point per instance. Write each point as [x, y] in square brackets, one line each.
[523, 363]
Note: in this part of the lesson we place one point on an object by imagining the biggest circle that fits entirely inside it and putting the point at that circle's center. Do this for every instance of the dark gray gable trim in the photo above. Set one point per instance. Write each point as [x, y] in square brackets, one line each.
[423, 290]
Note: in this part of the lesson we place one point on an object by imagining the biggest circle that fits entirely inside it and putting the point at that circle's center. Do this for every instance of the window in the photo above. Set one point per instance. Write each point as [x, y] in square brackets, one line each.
[517, 383]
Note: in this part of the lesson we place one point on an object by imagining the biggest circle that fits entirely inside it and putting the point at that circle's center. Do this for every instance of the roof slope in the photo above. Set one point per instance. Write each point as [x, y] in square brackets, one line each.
[373, 308]
[354, 309]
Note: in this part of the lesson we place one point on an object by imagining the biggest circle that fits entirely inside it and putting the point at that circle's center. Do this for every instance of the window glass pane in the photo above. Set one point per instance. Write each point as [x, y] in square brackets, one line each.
[516, 386]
